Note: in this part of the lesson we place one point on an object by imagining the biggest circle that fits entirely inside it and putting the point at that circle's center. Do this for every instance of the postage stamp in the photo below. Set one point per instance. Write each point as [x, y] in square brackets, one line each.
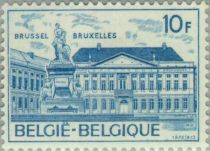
[105, 76]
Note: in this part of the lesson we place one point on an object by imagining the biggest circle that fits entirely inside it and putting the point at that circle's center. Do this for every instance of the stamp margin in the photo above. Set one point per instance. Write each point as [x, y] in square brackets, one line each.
[207, 76]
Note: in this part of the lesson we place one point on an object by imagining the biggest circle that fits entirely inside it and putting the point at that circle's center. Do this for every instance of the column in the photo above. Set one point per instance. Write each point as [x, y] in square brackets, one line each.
[107, 82]
[130, 105]
[98, 81]
[29, 90]
[117, 106]
[147, 106]
[139, 106]
[172, 105]
[115, 81]
[99, 105]
[180, 105]
[137, 81]
[23, 103]
[191, 104]
[91, 106]
[128, 82]
[108, 106]
[15, 105]
[90, 81]
[146, 80]
[155, 105]
[164, 105]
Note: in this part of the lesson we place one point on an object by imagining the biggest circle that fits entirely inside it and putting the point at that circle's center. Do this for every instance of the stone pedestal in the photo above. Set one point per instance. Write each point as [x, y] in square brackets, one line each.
[63, 95]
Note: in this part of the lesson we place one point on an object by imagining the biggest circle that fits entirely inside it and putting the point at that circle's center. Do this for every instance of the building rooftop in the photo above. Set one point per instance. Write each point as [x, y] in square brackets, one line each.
[99, 53]
[18, 56]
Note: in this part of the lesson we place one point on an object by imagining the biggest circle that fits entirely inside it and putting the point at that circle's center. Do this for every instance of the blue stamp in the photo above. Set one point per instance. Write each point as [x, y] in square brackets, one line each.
[97, 76]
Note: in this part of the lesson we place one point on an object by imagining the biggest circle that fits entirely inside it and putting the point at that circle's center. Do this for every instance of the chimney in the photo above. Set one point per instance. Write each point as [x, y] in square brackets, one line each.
[89, 57]
[153, 57]
[98, 46]
[31, 54]
[164, 46]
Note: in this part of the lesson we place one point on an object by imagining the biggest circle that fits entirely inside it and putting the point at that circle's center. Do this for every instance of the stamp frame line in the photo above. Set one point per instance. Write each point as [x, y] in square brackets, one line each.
[198, 82]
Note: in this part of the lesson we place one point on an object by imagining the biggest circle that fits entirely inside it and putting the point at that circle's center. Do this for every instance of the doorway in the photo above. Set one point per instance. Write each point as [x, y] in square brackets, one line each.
[124, 107]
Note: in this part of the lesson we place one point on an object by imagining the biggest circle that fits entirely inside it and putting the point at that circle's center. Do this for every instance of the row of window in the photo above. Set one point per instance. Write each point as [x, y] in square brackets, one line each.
[110, 85]
[103, 104]
[150, 104]
[23, 83]
[134, 75]
[168, 104]
[14, 71]
[25, 103]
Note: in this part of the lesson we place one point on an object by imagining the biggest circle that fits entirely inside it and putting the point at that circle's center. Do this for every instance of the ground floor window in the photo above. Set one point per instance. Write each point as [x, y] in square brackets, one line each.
[160, 104]
[26, 103]
[176, 104]
[112, 104]
[168, 104]
[94, 104]
[20, 102]
[13, 104]
[103, 104]
[87, 105]
[185, 103]
[143, 104]
[135, 104]
[151, 104]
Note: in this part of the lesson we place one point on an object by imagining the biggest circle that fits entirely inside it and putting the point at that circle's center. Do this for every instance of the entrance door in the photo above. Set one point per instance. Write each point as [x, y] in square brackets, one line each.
[124, 107]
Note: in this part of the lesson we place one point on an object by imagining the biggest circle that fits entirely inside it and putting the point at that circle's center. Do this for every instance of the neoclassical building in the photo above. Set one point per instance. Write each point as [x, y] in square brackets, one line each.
[136, 80]
[26, 77]
[119, 80]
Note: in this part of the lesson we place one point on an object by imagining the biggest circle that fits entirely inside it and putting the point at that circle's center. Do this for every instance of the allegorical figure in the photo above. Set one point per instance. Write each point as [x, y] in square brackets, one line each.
[62, 50]
[77, 90]
[46, 90]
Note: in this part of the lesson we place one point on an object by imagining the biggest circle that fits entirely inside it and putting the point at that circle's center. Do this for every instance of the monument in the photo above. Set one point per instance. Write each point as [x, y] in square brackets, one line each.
[61, 92]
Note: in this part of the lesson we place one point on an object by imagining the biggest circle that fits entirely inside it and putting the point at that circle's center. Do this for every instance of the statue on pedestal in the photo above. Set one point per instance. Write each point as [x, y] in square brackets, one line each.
[62, 50]
[61, 93]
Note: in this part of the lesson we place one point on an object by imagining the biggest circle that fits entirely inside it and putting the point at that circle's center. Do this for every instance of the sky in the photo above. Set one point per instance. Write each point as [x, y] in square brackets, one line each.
[133, 29]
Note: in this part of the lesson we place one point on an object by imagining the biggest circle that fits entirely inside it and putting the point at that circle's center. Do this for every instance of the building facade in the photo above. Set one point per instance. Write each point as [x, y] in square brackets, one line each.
[136, 80]
[123, 80]
[26, 77]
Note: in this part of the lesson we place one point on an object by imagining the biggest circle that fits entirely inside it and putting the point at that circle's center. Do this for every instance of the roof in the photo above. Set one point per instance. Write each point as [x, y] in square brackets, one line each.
[17, 56]
[146, 53]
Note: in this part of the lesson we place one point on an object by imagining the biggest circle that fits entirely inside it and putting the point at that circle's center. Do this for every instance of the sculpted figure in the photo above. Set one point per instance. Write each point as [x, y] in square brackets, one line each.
[46, 90]
[62, 50]
[77, 90]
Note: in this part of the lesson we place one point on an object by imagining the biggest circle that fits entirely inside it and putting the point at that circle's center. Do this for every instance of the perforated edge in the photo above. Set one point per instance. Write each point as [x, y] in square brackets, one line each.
[104, 2]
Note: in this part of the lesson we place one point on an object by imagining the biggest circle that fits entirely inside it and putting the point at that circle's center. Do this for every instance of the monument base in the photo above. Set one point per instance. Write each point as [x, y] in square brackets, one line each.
[63, 106]
[63, 90]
